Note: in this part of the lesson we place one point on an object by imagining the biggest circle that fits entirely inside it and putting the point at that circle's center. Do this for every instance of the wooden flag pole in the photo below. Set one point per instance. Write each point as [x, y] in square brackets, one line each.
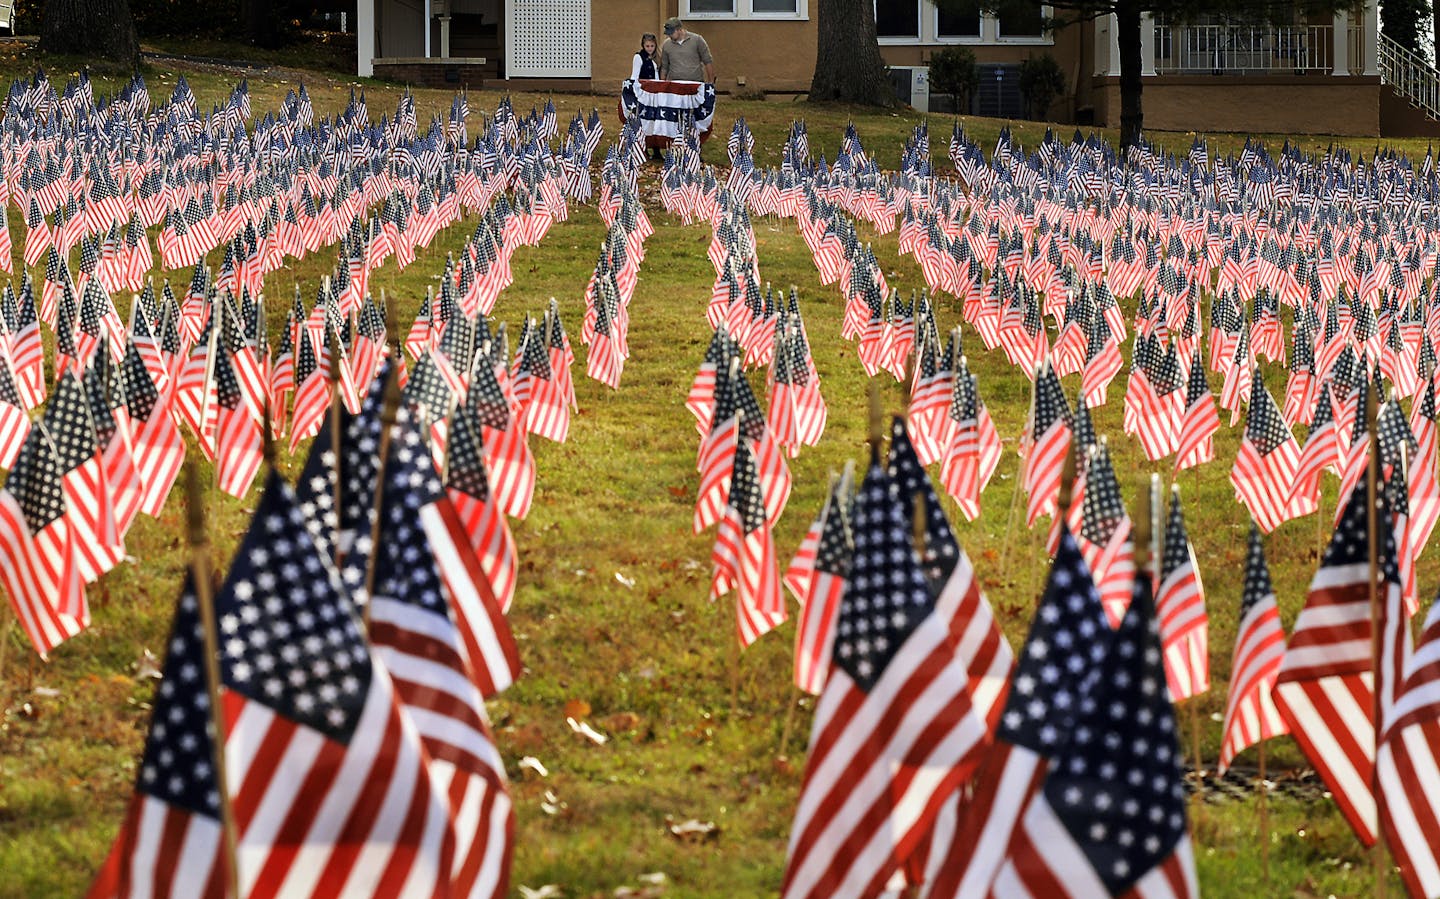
[1020, 476]
[200, 577]
[1264, 818]
[1372, 486]
[876, 435]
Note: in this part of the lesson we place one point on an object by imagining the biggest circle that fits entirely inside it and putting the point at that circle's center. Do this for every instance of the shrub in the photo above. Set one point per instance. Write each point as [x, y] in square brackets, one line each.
[1041, 81]
[953, 71]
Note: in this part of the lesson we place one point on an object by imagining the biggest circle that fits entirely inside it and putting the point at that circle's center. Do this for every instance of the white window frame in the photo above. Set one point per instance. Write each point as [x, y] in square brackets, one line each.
[745, 9]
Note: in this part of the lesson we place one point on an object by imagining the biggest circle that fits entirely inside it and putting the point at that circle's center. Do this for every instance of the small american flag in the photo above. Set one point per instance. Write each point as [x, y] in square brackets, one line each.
[301, 686]
[1038, 718]
[1180, 604]
[1264, 471]
[1105, 536]
[744, 554]
[427, 638]
[1110, 816]
[869, 787]
[1407, 762]
[1325, 690]
[1250, 713]
[36, 563]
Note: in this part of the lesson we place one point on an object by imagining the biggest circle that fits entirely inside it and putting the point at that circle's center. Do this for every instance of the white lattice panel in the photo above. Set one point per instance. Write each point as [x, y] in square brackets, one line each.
[548, 39]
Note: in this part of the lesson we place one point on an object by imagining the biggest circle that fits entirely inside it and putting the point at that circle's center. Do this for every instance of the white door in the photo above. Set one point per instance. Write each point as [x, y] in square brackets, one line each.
[547, 39]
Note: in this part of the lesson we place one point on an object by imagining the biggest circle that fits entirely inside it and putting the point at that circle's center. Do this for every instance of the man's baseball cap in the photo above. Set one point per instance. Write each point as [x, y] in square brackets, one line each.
[672, 23]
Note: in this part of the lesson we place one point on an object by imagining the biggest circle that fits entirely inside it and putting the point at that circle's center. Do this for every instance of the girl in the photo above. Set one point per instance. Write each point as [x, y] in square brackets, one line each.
[643, 66]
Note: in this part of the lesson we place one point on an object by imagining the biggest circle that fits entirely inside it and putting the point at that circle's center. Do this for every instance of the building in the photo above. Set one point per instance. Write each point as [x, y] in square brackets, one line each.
[1337, 76]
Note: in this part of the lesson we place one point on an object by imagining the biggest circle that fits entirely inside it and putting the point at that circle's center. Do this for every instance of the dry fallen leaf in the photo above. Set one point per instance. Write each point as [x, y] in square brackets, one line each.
[577, 708]
[622, 721]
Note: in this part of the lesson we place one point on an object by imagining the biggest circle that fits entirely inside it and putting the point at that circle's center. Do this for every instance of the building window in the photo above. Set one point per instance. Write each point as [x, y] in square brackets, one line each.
[1023, 23]
[744, 9]
[950, 26]
[897, 18]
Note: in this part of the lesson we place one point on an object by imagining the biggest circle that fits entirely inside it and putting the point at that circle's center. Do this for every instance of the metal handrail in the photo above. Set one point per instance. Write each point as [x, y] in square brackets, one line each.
[1410, 74]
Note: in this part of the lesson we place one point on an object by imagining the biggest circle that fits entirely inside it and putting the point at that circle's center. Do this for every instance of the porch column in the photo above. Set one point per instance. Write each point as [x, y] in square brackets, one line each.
[427, 28]
[365, 38]
[1147, 43]
[1340, 43]
[445, 36]
[1370, 38]
[1107, 46]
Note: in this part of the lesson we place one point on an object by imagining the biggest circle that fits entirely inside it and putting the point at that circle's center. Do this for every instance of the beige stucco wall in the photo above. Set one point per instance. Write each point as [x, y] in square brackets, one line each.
[770, 55]
[1275, 104]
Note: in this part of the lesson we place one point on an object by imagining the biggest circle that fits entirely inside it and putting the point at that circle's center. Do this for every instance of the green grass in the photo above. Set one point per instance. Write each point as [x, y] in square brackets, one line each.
[653, 661]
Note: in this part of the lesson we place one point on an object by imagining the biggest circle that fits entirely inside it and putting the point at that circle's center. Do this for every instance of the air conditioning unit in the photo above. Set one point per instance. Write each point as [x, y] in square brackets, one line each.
[912, 85]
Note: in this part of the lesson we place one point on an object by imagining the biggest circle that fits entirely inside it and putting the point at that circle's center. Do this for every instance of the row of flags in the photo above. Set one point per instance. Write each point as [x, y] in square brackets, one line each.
[920, 692]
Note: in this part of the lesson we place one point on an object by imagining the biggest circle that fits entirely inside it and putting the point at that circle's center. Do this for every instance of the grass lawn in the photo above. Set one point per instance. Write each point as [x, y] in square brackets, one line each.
[611, 610]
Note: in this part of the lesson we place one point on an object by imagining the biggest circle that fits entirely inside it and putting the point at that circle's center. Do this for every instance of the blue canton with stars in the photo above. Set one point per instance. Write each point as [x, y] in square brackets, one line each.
[941, 552]
[405, 567]
[1061, 659]
[1116, 786]
[289, 638]
[177, 766]
[886, 596]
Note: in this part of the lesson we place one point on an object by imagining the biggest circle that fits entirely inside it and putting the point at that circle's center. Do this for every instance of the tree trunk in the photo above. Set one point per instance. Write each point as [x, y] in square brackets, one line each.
[848, 67]
[103, 28]
[1132, 115]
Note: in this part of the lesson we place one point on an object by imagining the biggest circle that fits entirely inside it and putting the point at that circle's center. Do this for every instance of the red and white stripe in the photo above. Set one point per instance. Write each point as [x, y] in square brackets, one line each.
[882, 762]
[1184, 630]
[426, 660]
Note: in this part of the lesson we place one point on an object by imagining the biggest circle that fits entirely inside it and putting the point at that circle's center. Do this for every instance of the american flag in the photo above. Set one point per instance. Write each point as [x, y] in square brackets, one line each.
[1180, 605]
[1105, 536]
[871, 787]
[1069, 633]
[1407, 763]
[306, 705]
[413, 613]
[238, 441]
[744, 554]
[468, 483]
[1325, 691]
[1049, 439]
[14, 420]
[947, 569]
[37, 567]
[1321, 449]
[95, 538]
[1250, 713]
[815, 629]
[1109, 819]
[1423, 488]
[974, 447]
[159, 449]
[108, 409]
[1264, 471]
[507, 454]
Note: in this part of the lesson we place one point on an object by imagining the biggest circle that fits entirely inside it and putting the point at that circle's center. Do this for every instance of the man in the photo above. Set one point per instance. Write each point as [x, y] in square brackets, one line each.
[685, 55]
